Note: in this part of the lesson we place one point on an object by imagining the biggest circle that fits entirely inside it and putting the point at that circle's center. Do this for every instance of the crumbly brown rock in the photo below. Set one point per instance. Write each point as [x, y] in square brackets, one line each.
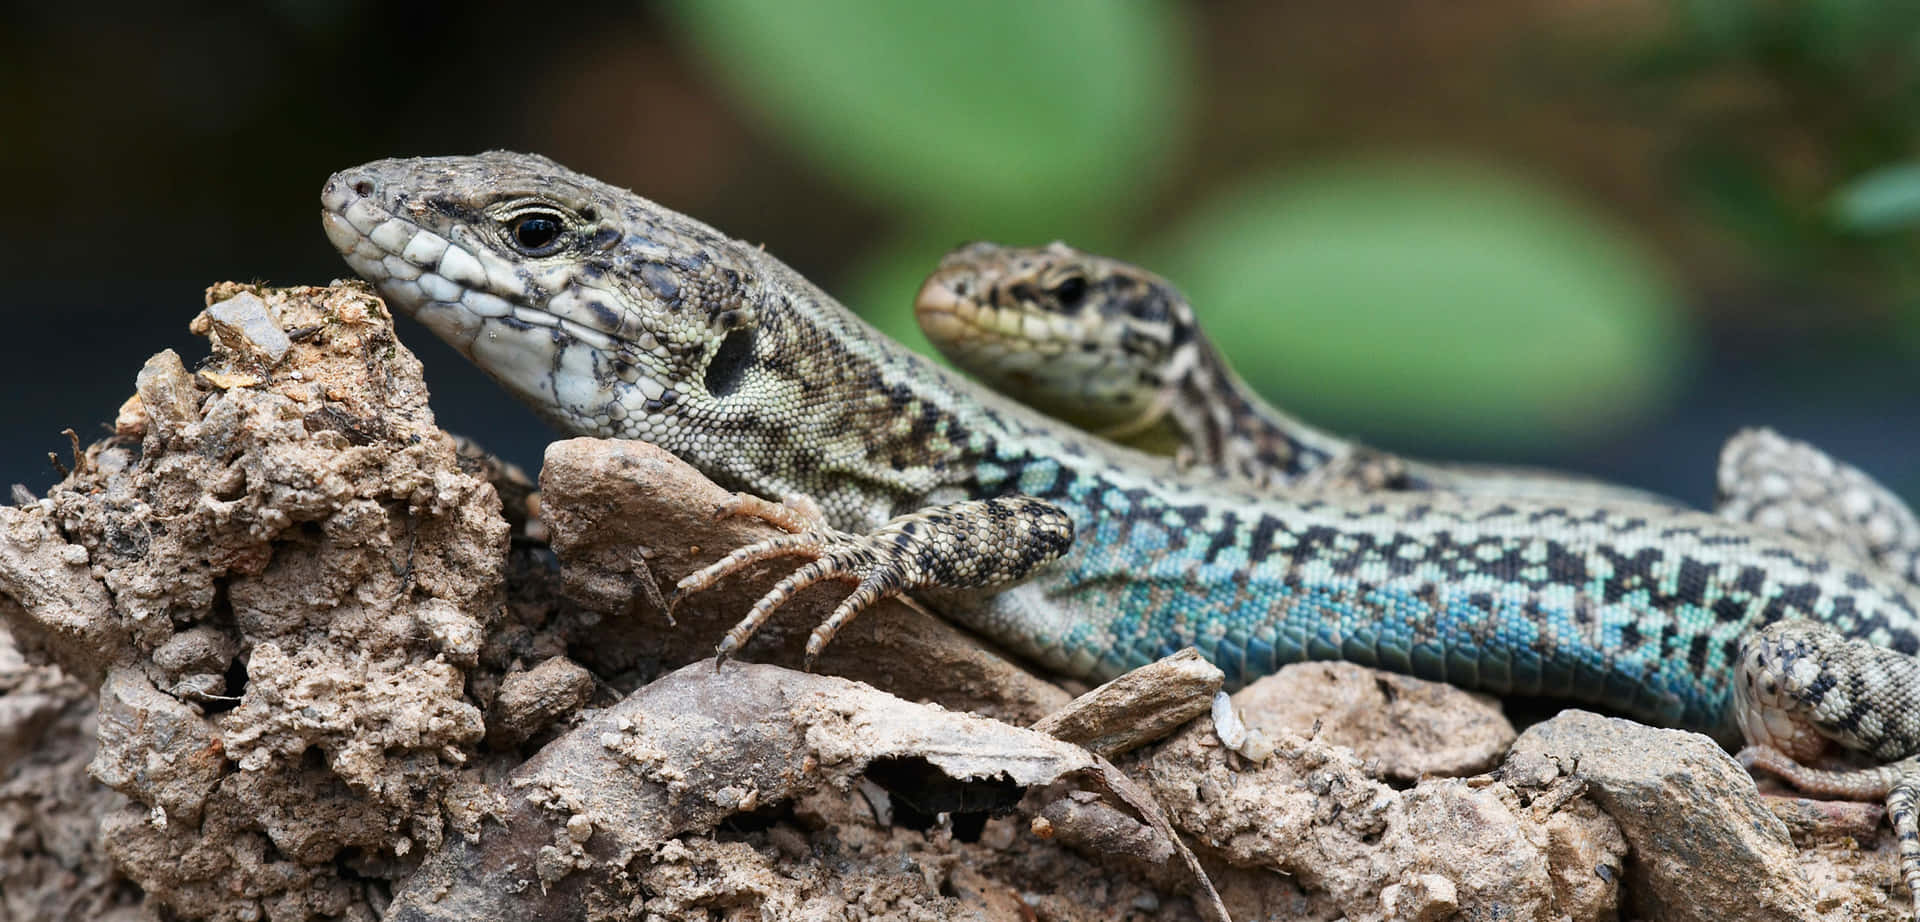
[280, 579]
[1314, 817]
[298, 658]
[625, 513]
[1404, 727]
[53, 865]
[1706, 847]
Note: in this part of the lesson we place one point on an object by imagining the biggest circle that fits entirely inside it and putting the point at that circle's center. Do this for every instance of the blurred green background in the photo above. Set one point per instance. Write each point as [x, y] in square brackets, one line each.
[1596, 235]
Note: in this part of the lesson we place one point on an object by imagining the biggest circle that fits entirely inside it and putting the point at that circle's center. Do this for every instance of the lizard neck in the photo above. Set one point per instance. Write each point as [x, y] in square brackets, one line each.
[1232, 427]
[866, 427]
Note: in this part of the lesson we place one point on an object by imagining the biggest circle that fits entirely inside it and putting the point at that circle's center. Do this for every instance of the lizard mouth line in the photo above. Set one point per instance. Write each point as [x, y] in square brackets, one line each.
[477, 305]
[945, 312]
[418, 270]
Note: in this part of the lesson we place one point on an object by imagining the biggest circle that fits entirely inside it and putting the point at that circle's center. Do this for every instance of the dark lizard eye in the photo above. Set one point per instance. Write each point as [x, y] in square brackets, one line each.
[1070, 290]
[536, 233]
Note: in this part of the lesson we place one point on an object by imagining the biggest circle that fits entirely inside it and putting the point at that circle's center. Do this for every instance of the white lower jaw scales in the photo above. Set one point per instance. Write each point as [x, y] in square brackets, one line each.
[520, 358]
[400, 269]
[365, 267]
[458, 266]
[393, 235]
[486, 305]
[452, 322]
[425, 249]
[342, 235]
[437, 288]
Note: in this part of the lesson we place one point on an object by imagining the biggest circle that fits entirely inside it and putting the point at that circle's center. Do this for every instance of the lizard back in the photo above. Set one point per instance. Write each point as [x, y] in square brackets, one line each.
[614, 316]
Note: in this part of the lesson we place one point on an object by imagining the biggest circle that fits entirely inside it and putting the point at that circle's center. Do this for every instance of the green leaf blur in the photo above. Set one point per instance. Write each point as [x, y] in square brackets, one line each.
[1064, 103]
[1412, 300]
[1442, 301]
[1885, 199]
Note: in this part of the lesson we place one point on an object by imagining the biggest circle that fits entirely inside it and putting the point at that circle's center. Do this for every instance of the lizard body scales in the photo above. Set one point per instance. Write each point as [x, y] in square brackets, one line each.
[613, 316]
[1114, 346]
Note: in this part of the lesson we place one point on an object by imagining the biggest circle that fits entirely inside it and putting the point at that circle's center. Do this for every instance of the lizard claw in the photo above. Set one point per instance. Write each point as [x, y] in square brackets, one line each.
[1805, 686]
[975, 544]
[797, 514]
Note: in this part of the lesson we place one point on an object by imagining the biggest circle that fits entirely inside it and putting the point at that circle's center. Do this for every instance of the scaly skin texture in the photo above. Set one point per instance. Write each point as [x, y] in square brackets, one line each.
[617, 317]
[1113, 346]
[1803, 691]
[1790, 486]
[1116, 349]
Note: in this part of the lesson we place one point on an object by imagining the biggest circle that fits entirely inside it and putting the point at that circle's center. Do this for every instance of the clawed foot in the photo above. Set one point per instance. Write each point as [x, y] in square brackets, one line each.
[976, 544]
[1896, 784]
[1804, 687]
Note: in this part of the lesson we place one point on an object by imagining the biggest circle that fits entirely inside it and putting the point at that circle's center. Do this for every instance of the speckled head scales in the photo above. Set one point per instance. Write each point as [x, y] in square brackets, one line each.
[580, 301]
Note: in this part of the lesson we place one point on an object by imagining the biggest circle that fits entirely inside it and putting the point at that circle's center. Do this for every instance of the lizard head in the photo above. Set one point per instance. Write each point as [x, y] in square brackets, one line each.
[605, 312]
[1089, 339]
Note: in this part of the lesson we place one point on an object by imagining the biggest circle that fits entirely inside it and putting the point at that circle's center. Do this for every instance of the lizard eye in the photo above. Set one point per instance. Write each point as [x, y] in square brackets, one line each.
[1070, 290]
[536, 233]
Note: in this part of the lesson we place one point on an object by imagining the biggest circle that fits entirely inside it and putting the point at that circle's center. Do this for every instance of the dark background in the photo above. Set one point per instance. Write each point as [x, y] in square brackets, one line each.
[1597, 235]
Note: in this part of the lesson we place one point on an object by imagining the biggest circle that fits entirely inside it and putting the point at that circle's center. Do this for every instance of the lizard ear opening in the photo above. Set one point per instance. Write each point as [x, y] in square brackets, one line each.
[730, 362]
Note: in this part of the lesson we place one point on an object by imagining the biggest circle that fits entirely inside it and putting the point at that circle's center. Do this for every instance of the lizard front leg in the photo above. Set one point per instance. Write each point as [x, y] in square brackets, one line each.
[1803, 686]
[977, 544]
